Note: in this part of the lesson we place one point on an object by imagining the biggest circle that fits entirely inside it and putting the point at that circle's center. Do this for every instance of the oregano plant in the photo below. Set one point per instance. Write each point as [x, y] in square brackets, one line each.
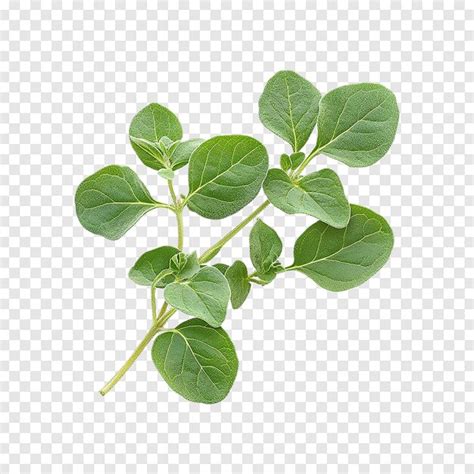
[345, 246]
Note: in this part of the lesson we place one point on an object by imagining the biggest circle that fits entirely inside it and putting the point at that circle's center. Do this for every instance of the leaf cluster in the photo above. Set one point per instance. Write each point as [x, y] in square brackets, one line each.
[345, 246]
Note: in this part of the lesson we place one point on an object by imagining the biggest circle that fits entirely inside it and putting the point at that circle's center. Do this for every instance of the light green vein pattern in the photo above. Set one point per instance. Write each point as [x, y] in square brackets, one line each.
[197, 361]
[289, 107]
[225, 174]
[112, 200]
[357, 123]
[340, 259]
[319, 194]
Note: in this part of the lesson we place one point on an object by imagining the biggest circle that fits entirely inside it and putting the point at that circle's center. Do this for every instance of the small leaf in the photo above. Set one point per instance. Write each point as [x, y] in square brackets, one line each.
[112, 200]
[237, 276]
[166, 173]
[289, 107]
[165, 142]
[151, 124]
[205, 296]
[319, 194]
[265, 246]
[151, 264]
[197, 361]
[340, 259]
[222, 267]
[285, 162]
[185, 266]
[296, 159]
[357, 123]
[183, 151]
[225, 174]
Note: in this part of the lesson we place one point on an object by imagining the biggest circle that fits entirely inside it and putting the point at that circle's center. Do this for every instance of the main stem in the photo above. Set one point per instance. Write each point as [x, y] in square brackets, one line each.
[210, 253]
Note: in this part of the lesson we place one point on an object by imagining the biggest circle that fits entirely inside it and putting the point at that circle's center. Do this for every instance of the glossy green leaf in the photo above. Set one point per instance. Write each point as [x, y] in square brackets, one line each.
[197, 361]
[183, 151]
[289, 107]
[225, 174]
[151, 264]
[205, 296]
[265, 246]
[237, 276]
[357, 123]
[147, 128]
[340, 259]
[319, 194]
[112, 200]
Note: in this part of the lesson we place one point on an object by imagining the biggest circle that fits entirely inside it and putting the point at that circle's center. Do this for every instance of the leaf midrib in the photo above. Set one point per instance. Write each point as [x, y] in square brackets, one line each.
[333, 138]
[328, 257]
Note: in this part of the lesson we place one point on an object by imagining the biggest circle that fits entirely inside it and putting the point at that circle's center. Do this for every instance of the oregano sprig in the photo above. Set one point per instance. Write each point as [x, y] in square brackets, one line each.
[345, 246]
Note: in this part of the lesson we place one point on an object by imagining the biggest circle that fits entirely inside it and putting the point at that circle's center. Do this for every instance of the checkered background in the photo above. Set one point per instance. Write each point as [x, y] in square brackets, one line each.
[377, 379]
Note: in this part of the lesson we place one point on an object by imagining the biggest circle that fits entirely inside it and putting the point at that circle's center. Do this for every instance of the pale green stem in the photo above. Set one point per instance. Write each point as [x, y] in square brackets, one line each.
[215, 249]
[136, 353]
[178, 209]
[306, 161]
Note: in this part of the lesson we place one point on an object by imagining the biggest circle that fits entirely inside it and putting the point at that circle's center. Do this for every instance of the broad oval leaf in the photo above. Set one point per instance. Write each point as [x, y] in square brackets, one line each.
[265, 246]
[151, 264]
[111, 201]
[225, 174]
[340, 259]
[318, 194]
[183, 151]
[205, 296]
[197, 361]
[148, 127]
[357, 123]
[289, 107]
[237, 276]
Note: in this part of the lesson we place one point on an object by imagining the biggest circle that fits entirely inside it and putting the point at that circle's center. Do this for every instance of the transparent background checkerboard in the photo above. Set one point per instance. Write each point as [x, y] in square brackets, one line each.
[377, 379]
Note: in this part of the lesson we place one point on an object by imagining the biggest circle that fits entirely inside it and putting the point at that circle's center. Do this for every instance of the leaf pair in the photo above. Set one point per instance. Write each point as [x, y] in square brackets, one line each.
[148, 129]
[356, 123]
[202, 292]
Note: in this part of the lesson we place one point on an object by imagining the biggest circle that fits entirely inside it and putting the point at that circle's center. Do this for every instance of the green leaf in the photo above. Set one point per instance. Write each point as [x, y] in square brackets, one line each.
[289, 107]
[205, 296]
[225, 174]
[166, 173]
[112, 200]
[183, 151]
[340, 259]
[265, 246]
[296, 159]
[185, 266]
[357, 123]
[151, 124]
[222, 267]
[319, 194]
[237, 276]
[285, 162]
[151, 264]
[197, 361]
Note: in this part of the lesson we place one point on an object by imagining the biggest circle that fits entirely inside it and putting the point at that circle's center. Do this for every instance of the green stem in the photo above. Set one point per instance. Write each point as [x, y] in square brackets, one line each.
[211, 252]
[306, 161]
[178, 209]
[136, 353]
